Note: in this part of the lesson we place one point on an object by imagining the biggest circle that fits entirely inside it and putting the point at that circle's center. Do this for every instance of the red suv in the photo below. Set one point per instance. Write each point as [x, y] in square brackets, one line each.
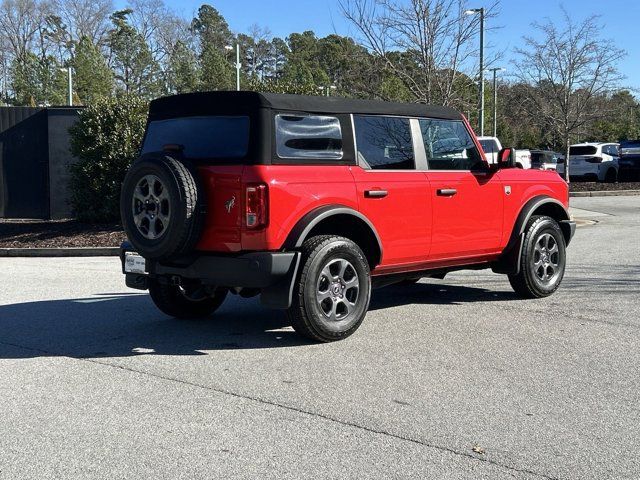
[311, 202]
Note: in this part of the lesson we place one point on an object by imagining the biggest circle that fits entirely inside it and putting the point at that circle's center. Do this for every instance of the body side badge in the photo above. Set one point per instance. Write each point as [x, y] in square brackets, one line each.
[229, 204]
[507, 189]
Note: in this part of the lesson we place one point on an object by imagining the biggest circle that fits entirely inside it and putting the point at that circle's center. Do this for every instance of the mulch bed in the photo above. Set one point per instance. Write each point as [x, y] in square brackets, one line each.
[599, 187]
[58, 234]
[71, 233]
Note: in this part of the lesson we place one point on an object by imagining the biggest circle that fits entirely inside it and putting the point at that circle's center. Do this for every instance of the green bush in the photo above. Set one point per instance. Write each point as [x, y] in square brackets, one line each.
[105, 141]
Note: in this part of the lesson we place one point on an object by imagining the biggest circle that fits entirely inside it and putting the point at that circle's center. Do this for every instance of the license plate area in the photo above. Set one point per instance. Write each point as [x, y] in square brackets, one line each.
[134, 263]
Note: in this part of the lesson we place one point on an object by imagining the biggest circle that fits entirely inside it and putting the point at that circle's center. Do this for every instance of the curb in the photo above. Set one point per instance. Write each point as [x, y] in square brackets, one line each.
[60, 252]
[606, 193]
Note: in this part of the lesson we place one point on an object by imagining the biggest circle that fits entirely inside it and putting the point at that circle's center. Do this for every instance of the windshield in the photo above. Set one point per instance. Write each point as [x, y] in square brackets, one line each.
[583, 150]
[200, 137]
[537, 157]
[489, 145]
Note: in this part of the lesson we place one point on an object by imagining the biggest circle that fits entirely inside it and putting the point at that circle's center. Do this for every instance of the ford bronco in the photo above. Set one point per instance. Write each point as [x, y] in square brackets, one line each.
[310, 202]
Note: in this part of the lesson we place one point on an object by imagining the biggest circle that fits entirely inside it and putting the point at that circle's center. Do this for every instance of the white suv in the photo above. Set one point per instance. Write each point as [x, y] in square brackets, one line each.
[597, 161]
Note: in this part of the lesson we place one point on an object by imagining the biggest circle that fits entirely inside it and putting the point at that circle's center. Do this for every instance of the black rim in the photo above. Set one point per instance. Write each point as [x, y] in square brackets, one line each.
[150, 206]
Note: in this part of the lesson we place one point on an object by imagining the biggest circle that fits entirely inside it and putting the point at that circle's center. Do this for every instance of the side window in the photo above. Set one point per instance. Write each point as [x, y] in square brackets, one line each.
[384, 143]
[448, 145]
[308, 137]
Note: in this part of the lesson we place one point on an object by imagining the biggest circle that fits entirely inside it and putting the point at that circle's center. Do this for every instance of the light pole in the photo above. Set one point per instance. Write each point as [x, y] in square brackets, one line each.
[495, 99]
[480, 11]
[238, 65]
[70, 85]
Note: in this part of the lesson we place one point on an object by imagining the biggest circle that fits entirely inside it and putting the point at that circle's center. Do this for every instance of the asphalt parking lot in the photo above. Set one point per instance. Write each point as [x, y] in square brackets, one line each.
[445, 379]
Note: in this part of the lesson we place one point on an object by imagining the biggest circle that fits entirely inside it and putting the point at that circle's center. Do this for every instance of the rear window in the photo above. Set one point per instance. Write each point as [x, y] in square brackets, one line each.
[317, 137]
[583, 150]
[207, 137]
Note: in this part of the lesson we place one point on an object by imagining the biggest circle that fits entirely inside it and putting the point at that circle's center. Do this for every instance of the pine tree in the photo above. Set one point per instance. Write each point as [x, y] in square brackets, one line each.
[93, 77]
[184, 72]
[135, 68]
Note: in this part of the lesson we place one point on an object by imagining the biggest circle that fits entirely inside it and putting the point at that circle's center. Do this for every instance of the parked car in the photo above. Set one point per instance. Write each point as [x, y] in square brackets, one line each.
[594, 161]
[492, 146]
[544, 160]
[629, 161]
[311, 202]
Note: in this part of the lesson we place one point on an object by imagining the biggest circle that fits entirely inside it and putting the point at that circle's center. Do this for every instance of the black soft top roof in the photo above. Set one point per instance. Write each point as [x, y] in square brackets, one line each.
[210, 103]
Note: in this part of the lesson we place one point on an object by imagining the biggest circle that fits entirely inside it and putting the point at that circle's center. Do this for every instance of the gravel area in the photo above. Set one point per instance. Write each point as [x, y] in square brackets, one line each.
[56, 234]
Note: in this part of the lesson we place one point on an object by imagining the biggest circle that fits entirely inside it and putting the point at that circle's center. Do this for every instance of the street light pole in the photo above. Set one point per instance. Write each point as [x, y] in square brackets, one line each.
[495, 99]
[238, 66]
[70, 87]
[480, 11]
[70, 84]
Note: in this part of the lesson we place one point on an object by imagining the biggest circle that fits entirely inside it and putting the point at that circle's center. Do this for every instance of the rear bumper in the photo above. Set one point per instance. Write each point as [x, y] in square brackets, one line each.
[273, 273]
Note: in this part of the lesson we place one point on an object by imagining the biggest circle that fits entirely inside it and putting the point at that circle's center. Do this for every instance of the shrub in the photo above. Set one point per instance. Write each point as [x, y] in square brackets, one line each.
[105, 141]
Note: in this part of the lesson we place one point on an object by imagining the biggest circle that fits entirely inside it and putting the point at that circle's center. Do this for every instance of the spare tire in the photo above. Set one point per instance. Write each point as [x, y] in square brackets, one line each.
[161, 207]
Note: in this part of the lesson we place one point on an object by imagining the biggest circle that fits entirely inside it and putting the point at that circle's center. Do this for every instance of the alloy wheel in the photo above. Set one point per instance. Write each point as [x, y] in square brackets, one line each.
[338, 290]
[151, 207]
[546, 261]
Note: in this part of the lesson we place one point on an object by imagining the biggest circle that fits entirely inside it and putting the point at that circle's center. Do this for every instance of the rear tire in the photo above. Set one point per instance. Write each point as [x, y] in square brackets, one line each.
[543, 259]
[185, 302]
[333, 289]
[611, 176]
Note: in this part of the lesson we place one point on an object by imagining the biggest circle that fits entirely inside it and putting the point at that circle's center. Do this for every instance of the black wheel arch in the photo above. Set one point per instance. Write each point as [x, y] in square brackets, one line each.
[339, 220]
[509, 261]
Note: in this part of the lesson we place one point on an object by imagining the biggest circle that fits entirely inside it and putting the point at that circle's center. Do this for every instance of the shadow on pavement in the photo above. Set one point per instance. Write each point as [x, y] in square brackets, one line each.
[115, 325]
[128, 324]
[435, 294]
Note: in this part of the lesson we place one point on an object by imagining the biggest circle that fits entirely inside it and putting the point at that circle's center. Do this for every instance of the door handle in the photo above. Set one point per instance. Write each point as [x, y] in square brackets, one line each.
[447, 192]
[375, 193]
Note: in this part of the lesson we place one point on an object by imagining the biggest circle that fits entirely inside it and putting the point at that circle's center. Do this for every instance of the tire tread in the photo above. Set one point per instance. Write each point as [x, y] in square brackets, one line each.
[297, 314]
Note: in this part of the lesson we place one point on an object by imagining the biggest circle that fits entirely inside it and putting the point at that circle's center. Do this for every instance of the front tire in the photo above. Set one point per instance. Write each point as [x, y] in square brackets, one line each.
[543, 259]
[190, 301]
[333, 289]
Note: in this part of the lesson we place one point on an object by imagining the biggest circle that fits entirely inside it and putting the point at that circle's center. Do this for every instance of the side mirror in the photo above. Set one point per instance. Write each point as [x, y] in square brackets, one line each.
[507, 158]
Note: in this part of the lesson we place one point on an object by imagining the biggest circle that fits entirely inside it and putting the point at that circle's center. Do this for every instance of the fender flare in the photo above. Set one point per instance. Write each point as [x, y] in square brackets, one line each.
[303, 227]
[509, 261]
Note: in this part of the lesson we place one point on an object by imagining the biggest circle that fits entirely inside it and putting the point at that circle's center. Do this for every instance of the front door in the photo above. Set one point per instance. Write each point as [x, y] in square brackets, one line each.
[392, 192]
[467, 198]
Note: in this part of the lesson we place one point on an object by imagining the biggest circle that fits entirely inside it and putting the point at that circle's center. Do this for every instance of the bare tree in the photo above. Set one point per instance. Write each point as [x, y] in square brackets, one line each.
[427, 44]
[256, 48]
[572, 68]
[20, 23]
[85, 18]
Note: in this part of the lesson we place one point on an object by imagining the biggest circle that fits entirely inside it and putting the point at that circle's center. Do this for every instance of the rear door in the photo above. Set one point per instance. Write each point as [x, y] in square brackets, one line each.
[393, 191]
[467, 198]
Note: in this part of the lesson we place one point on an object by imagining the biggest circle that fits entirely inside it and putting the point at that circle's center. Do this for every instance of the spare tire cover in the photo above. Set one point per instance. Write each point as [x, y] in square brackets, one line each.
[161, 207]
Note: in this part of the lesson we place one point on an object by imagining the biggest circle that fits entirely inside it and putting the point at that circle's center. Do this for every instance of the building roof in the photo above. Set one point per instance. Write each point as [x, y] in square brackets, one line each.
[204, 103]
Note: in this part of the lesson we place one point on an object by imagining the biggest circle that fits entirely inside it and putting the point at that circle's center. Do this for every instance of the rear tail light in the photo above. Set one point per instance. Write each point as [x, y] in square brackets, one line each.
[256, 206]
[594, 159]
